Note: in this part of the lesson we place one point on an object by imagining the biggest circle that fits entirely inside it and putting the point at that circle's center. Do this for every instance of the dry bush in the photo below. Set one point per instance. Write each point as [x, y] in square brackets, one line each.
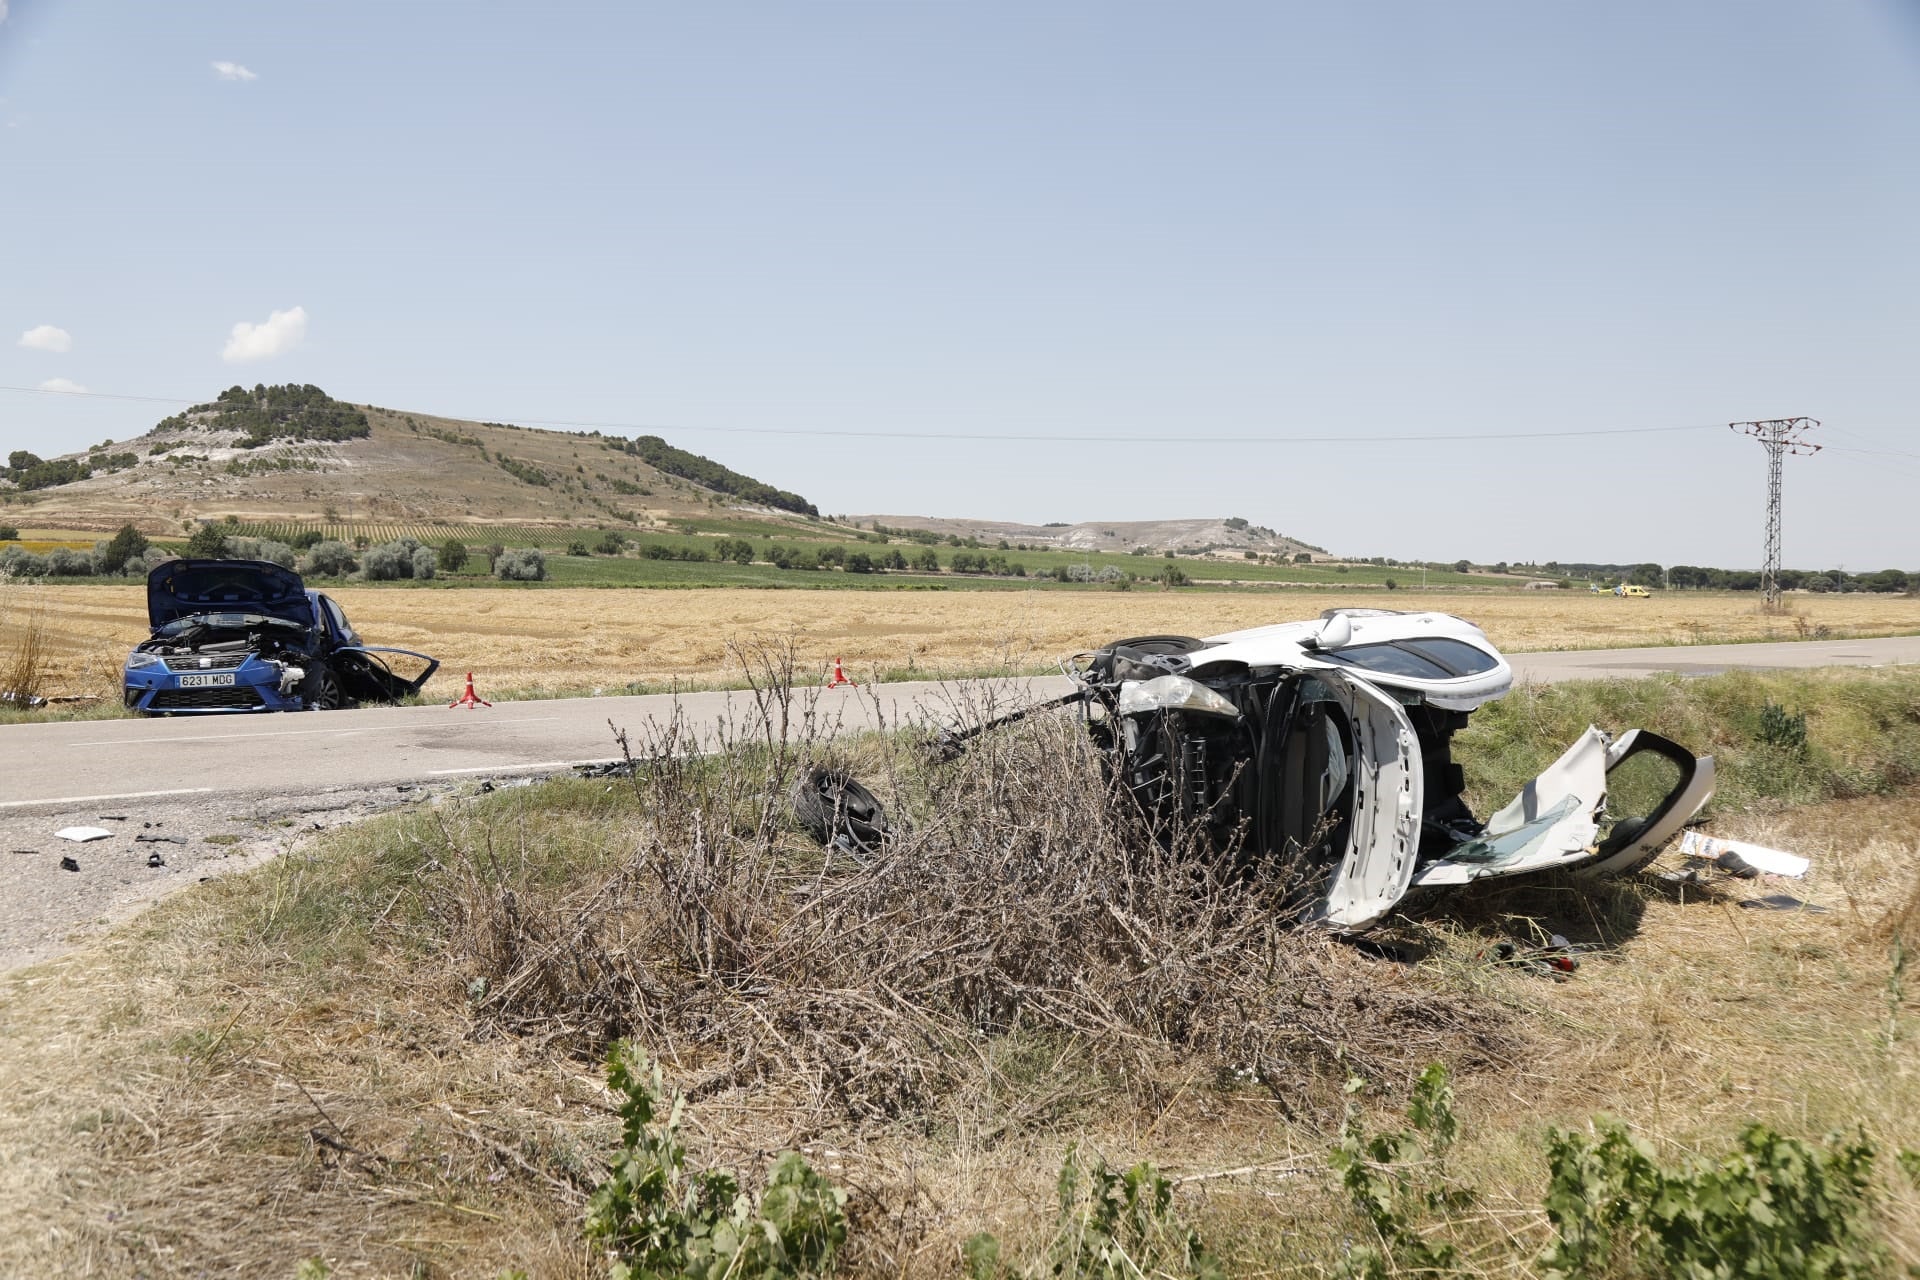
[1018, 899]
[23, 661]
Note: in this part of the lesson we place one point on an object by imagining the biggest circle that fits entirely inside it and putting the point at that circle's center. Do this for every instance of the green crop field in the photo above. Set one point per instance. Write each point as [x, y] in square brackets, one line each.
[690, 556]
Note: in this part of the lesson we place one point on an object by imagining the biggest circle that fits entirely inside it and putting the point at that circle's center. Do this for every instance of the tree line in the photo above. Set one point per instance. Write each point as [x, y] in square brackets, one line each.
[661, 456]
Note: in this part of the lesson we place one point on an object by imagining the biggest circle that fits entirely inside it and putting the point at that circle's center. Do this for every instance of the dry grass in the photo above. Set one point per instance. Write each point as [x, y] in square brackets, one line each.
[301, 1061]
[23, 644]
[574, 639]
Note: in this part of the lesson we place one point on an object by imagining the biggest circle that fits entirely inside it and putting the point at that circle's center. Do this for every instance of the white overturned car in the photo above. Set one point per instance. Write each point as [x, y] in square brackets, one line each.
[1326, 745]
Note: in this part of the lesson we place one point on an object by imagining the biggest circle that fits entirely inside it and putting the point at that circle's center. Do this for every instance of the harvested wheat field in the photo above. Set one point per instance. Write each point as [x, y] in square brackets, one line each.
[528, 642]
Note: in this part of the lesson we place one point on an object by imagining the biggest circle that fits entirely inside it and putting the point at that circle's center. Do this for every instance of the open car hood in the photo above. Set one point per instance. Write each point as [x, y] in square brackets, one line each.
[183, 588]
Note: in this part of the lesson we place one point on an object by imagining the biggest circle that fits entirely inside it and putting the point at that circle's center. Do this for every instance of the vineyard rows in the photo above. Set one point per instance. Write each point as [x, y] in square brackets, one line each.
[474, 535]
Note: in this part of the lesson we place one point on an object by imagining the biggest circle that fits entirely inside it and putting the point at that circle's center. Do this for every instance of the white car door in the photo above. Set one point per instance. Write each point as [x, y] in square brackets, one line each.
[1603, 808]
[1384, 836]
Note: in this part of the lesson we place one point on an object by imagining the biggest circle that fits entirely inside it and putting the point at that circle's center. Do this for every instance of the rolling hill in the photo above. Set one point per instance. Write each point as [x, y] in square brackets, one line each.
[273, 456]
[265, 456]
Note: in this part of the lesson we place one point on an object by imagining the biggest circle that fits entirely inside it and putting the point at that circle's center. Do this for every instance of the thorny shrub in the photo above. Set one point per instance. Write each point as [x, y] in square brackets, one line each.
[1016, 897]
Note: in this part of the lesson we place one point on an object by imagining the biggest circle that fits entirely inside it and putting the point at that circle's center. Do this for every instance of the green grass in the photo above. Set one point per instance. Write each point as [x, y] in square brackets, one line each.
[103, 709]
[1862, 731]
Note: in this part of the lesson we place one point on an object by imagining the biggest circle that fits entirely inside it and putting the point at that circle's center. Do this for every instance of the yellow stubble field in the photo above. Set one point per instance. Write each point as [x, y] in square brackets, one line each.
[569, 640]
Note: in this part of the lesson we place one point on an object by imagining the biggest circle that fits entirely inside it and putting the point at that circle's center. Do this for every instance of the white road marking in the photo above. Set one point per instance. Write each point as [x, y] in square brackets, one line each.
[516, 768]
[124, 795]
[286, 733]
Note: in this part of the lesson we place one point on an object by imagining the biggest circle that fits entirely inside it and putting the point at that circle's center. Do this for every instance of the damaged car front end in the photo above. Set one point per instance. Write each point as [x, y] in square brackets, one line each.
[1326, 745]
[242, 636]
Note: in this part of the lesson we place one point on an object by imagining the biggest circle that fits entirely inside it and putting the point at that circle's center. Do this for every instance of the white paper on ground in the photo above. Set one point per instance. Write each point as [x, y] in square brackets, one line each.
[83, 834]
[1759, 857]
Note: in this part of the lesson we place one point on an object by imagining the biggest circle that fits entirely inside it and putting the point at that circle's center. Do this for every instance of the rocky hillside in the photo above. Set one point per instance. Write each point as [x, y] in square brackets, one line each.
[1225, 536]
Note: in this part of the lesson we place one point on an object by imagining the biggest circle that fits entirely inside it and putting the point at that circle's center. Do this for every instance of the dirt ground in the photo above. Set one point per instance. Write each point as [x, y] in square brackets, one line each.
[526, 642]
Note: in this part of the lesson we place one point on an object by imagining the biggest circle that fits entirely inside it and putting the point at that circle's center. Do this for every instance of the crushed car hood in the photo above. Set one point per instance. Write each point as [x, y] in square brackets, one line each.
[186, 588]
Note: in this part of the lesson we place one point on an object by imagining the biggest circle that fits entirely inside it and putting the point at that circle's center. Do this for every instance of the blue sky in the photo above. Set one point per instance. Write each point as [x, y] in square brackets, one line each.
[747, 225]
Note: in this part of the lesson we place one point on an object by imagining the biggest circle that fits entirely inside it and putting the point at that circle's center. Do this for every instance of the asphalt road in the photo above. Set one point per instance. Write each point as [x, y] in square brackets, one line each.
[76, 764]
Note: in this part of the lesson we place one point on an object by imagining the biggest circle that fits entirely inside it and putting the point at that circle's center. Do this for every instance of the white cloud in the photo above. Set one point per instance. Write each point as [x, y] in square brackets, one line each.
[225, 70]
[3, 10]
[46, 337]
[67, 385]
[282, 331]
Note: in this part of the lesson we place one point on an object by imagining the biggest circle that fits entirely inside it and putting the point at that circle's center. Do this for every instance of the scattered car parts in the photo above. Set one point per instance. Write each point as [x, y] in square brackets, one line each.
[1327, 745]
[839, 812]
[246, 636]
[1738, 857]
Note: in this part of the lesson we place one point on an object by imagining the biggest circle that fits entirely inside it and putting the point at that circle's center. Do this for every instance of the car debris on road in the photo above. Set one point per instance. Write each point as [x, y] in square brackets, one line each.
[247, 636]
[83, 835]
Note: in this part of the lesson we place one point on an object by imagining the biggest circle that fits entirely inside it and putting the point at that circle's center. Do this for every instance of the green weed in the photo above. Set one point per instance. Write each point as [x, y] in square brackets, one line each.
[1111, 1226]
[1776, 1209]
[1398, 1182]
[655, 1220]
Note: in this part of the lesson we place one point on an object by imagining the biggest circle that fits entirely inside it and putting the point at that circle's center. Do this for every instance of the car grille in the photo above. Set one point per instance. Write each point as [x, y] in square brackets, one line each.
[241, 697]
[211, 662]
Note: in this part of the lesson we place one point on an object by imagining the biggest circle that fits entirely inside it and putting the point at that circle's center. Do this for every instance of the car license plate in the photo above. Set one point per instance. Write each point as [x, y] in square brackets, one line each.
[204, 682]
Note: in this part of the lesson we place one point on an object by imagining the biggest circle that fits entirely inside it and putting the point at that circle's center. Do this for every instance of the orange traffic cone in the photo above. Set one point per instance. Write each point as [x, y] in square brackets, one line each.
[840, 676]
[469, 698]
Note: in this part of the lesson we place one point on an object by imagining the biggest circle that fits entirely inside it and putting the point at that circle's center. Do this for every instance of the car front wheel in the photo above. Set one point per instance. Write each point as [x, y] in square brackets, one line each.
[322, 691]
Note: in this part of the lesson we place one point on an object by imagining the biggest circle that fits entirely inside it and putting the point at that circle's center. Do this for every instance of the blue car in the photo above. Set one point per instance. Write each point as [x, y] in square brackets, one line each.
[246, 635]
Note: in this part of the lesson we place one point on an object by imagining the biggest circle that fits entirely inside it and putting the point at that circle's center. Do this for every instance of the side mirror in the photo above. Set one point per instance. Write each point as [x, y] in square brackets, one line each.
[1335, 633]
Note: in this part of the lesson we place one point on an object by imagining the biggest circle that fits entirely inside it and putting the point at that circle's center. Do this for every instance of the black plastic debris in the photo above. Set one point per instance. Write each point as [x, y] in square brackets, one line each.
[1556, 960]
[155, 860]
[405, 786]
[147, 839]
[1736, 866]
[839, 812]
[1782, 902]
[112, 817]
[606, 769]
[69, 863]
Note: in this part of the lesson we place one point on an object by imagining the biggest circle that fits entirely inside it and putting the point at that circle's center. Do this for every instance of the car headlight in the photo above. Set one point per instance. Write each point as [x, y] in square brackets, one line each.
[1173, 693]
[138, 661]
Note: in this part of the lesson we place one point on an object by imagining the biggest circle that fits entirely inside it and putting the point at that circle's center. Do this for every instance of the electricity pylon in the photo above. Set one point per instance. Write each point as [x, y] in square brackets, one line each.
[1781, 436]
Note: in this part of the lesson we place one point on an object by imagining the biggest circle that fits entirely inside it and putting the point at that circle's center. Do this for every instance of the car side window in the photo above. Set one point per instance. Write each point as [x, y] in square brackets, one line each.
[341, 630]
[1388, 659]
[1430, 658]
